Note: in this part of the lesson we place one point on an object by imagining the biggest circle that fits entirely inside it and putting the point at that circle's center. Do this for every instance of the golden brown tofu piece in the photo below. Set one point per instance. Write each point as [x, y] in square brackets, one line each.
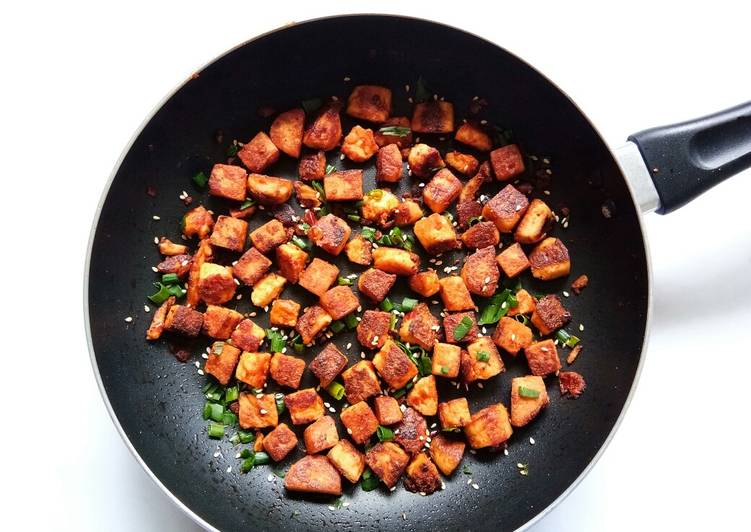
[379, 206]
[512, 336]
[420, 327]
[291, 260]
[462, 162]
[373, 329]
[481, 360]
[259, 153]
[455, 295]
[284, 313]
[489, 427]
[396, 261]
[339, 301]
[268, 190]
[248, 336]
[446, 360]
[535, 224]
[313, 320]
[257, 412]
[402, 136]
[474, 136]
[216, 285]
[330, 233]
[267, 289]
[202, 255]
[412, 432]
[526, 303]
[328, 364]
[359, 145]
[307, 196]
[407, 213]
[287, 130]
[313, 474]
[387, 410]
[452, 321]
[550, 260]
[229, 233]
[247, 212]
[359, 421]
[525, 406]
[468, 212]
[550, 314]
[251, 267]
[312, 166]
[394, 366]
[197, 222]
[253, 368]
[375, 284]
[425, 283]
[359, 251]
[325, 131]
[441, 191]
[304, 406]
[422, 475]
[454, 414]
[513, 260]
[222, 361]
[506, 208]
[542, 358]
[370, 102]
[447, 453]
[471, 188]
[170, 249]
[507, 162]
[389, 164]
[423, 396]
[433, 117]
[481, 235]
[219, 322]
[424, 160]
[318, 276]
[436, 234]
[286, 370]
[343, 186]
[361, 382]
[388, 461]
[320, 435]
[480, 272]
[227, 181]
[270, 235]
[156, 328]
[279, 442]
[347, 460]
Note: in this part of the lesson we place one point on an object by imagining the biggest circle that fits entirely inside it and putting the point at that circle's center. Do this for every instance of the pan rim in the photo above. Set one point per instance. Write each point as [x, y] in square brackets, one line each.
[158, 106]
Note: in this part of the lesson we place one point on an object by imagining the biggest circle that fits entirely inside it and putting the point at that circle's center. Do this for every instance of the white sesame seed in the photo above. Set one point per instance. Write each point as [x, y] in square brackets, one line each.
[229, 469]
[200, 372]
[474, 485]
[345, 504]
[513, 336]
[532, 441]
[253, 314]
[155, 217]
[483, 122]
[472, 451]
[341, 157]
[156, 240]
[581, 326]
[349, 430]
[544, 349]
[546, 192]
[404, 515]
[236, 282]
[349, 345]
[263, 411]
[565, 294]
[392, 488]
[270, 478]
[327, 405]
[128, 319]
[402, 407]
[205, 356]
[480, 385]
[434, 302]
[505, 452]
[443, 485]
[346, 78]
[335, 98]
[484, 330]
[469, 482]
[239, 297]
[266, 308]
[154, 269]
[438, 262]
[410, 99]
[332, 409]
[422, 185]
[486, 280]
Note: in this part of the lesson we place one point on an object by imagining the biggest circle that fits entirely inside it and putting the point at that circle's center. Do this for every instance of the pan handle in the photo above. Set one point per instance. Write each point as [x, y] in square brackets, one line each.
[687, 159]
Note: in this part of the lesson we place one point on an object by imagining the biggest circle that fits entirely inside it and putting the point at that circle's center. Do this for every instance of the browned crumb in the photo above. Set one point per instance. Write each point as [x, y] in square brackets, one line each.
[579, 284]
[573, 354]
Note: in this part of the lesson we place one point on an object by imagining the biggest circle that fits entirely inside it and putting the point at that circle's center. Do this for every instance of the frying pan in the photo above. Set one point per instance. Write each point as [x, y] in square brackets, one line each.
[156, 401]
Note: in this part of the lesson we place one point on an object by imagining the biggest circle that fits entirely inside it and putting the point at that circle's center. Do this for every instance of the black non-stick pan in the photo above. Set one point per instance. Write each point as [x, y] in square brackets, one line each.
[156, 401]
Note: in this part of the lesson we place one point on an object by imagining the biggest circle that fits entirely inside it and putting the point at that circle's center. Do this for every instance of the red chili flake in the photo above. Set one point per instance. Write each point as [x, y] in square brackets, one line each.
[187, 200]
[571, 384]
[234, 406]
[309, 217]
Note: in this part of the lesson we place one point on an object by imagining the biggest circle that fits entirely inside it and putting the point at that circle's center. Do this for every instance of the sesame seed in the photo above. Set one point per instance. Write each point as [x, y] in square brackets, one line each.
[349, 345]
[565, 294]
[327, 405]
[423, 493]
[438, 262]
[486, 280]
[200, 372]
[229, 469]
[421, 185]
[546, 192]
[239, 297]
[581, 326]
[402, 407]
[154, 269]
[253, 314]
[332, 409]
[484, 330]
[548, 171]
[263, 411]
[341, 157]
[335, 98]
[156, 240]
[443, 485]
[513, 336]
[375, 340]
[472, 451]
[483, 122]
[505, 452]
[392, 488]
[128, 319]
[474, 485]
[204, 355]
[346, 78]
[362, 354]
[404, 515]
[270, 478]
[345, 504]
[469, 482]
[546, 160]
[155, 217]
[480, 385]
[410, 99]
[434, 302]
[266, 308]
[532, 441]
[349, 430]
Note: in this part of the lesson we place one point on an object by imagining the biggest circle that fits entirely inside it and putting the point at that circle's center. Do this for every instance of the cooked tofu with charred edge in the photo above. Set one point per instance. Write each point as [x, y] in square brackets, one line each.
[247, 212]
[523, 408]
[267, 289]
[506, 208]
[305, 406]
[360, 382]
[219, 322]
[412, 431]
[369, 102]
[425, 283]
[401, 141]
[229, 233]
[330, 233]
[423, 396]
[227, 181]
[388, 461]
[379, 207]
[436, 234]
[423, 160]
[197, 222]
[345, 185]
[373, 329]
[203, 254]
[359, 145]
[455, 295]
[318, 276]
[270, 235]
[339, 301]
[549, 260]
[394, 366]
[325, 131]
[170, 249]
[550, 314]
[433, 117]
[407, 213]
[480, 272]
[420, 327]
[279, 442]
[542, 358]
[222, 361]
[253, 368]
[375, 284]
[156, 328]
[259, 153]
[513, 260]
[489, 427]
[446, 360]
[287, 130]
[320, 435]
[284, 313]
[248, 336]
[454, 414]
[447, 453]
[257, 412]
[313, 320]
[216, 285]
[481, 360]
[313, 474]
[312, 166]
[359, 251]
[307, 196]
[268, 190]
[462, 162]
[534, 225]
[452, 321]
[387, 410]
[472, 186]
[396, 261]
[251, 267]
[441, 191]
[328, 364]
[512, 336]
[292, 261]
[360, 422]
[286, 370]
[389, 164]
[481, 235]
[474, 136]
[526, 304]
[347, 460]
[422, 475]
[507, 162]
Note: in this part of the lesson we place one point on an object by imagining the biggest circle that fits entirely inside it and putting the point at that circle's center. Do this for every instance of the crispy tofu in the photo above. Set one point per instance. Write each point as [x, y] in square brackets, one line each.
[304, 406]
[268, 190]
[253, 368]
[512, 336]
[216, 285]
[328, 364]
[480, 272]
[472, 187]
[425, 283]
[177, 264]
[291, 260]
[524, 408]
[549, 260]
[369, 102]
[197, 222]
[455, 295]
[452, 321]
[248, 336]
[313, 474]
[422, 475]
[489, 427]
[347, 460]
[251, 267]
[550, 314]
[420, 327]
[454, 414]
[423, 396]
[535, 224]
[395, 260]
[330, 233]
[462, 162]
[373, 329]
[446, 360]
[339, 301]
[388, 461]
[407, 213]
[447, 453]
[227, 181]
[320, 435]
[270, 235]
[259, 153]
[513, 260]
[481, 360]
[481, 235]
[247, 212]
[394, 366]
[219, 322]
[359, 251]
[284, 313]
[267, 289]
[156, 328]
[345, 185]
[389, 164]
[257, 412]
[318, 276]
[307, 196]
[279, 442]
[474, 136]
[312, 166]
[359, 145]
[313, 320]
[286, 132]
[222, 361]
[379, 206]
[361, 382]
[375, 284]
[436, 234]
[229, 233]
[526, 303]
[325, 131]
[441, 191]
[359, 421]
[468, 211]
[412, 431]
[433, 117]
[507, 162]
[506, 208]
[385, 138]
[286, 370]
[170, 249]
[387, 410]
[542, 358]
[424, 160]
[202, 255]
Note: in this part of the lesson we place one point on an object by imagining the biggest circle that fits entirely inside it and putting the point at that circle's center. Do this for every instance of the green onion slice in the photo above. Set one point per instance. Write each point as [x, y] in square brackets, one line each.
[200, 179]
[408, 304]
[276, 341]
[395, 131]
[169, 278]
[483, 356]
[495, 308]
[387, 305]
[384, 433]
[462, 328]
[161, 295]
[344, 281]
[528, 392]
[216, 430]
[335, 390]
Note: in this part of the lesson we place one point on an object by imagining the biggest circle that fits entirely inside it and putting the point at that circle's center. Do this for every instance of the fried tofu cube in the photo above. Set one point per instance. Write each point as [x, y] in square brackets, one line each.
[420, 327]
[229, 233]
[259, 153]
[343, 186]
[373, 329]
[422, 475]
[347, 460]
[402, 137]
[339, 301]
[313, 474]
[480, 272]
[423, 396]
[481, 235]
[454, 414]
[360, 422]
[268, 190]
[467, 212]
[257, 412]
[455, 295]
[286, 370]
[412, 431]
[512, 336]
[396, 261]
[156, 327]
[526, 303]
[423, 160]
[535, 224]
[513, 260]
[425, 283]
[284, 313]
[330, 233]
[542, 358]
[369, 102]
[474, 136]
[253, 368]
[359, 145]
[388, 461]
[325, 130]
[267, 290]
[525, 407]
[489, 427]
[304, 406]
[433, 117]
[320, 435]
[286, 132]
[359, 251]
[462, 162]
[389, 164]
[251, 267]
[279, 442]
[318, 276]
[549, 260]
[387, 410]
[507, 162]
[361, 382]
[446, 360]
[394, 366]
[227, 181]
[436, 234]
[202, 255]
[222, 361]
[379, 206]
[550, 314]
[183, 320]
[248, 336]
[375, 284]
[178, 264]
[441, 191]
[506, 208]
[452, 321]
[313, 320]
[407, 213]
[216, 285]
[447, 453]
[197, 222]
[270, 235]
[481, 360]
[291, 260]
[312, 166]
[219, 322]
[328, 364]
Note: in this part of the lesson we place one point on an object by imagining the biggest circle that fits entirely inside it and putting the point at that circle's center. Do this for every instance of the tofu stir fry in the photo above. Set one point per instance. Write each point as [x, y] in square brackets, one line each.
[452, 221]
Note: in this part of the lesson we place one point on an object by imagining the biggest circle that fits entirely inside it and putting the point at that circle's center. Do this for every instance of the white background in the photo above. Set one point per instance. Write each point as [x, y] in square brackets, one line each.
[78, 79]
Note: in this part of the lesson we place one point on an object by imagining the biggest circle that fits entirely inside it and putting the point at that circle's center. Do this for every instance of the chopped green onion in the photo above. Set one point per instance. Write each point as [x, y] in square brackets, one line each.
[319, 188]
[528, 392]
[368, 233]
[207, 411]
[387, 305]
[305, 227]
[462, 328]
[210, 386]
[337, 326]
[330, 169]
[483, 356]
[161, 296]
[466, 470]
[521, 318]
[344, 281]
[262, 458]
[246, 453]
[246, 437]
[495, 309]
[351, 321]
[566, 338]
[229, 418]
[408, 304]
[354, 217]
[444, 370]
[169, 278]
[425, 365]
[232, 150]
[216, 430]
[280, 405]
[279, 473]
[247, 464]
[474, 220]
[376, 193]
[312, 105]
[385, 240]
[176, 290]
[247, 204]
[276, 340]
[217, 411]
[231, 394]
[384, 433]
[335, 390]
[234, 439]
[397, 394]
[200, 179]
[300, 242]
[512, 301]
[392, 322]
[396, 131]
[369, 481]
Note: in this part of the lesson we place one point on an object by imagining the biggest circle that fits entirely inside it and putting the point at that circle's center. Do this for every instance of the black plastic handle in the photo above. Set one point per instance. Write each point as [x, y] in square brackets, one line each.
[687, 159]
